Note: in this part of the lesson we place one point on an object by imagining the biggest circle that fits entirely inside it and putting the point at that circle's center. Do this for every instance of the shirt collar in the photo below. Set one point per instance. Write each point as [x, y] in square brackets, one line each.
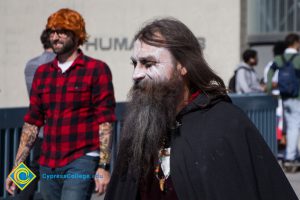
[290, 51]
[194, 96]
[79, 61]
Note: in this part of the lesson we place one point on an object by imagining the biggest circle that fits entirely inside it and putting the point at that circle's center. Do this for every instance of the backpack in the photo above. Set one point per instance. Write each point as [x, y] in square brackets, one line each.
[232, 80]
[288, 82]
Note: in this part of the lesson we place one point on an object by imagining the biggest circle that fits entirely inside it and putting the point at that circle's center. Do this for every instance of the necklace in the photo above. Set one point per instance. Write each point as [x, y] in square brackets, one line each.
[161, 155]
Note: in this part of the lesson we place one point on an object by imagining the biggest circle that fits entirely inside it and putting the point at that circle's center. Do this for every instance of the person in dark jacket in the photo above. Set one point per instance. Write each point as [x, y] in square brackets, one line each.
[182, 138]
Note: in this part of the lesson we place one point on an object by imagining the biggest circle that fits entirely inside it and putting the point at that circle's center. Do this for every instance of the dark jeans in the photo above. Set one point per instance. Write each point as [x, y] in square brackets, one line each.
[71, 182]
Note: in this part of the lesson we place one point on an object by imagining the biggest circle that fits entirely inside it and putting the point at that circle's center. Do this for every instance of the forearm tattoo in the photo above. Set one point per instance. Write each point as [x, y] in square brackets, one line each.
[105, 135]
[28, 137]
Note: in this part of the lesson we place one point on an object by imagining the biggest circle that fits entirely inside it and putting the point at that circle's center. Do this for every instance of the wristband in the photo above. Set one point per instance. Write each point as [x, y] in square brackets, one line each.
[104, 166]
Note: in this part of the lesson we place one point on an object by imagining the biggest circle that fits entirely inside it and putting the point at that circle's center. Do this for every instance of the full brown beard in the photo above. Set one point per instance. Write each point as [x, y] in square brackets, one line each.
[68, 45]
[151, 112]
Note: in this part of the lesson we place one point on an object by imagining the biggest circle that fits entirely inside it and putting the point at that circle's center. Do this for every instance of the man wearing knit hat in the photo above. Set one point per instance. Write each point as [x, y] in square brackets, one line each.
[73, 98]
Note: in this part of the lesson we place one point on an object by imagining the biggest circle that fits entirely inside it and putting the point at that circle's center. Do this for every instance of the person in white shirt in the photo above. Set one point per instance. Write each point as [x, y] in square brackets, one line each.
[291, 104]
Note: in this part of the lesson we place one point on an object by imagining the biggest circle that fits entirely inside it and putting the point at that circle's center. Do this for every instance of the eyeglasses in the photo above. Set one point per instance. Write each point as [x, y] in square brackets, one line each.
[60, 33]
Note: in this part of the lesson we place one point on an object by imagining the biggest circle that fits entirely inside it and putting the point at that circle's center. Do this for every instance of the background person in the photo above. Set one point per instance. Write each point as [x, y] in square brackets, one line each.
[247, 80]
[291, 104]
[34, 63]
[278, 50]
[30, 68]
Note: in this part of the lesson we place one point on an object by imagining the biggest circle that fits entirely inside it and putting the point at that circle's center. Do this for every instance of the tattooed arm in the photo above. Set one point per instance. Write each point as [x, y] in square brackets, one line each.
[28, 137]
[103, 175]
[105, 133]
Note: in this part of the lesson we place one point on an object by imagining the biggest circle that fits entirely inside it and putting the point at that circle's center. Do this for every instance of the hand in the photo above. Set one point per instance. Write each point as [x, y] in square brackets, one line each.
[102, 179]
[274, 85]
[10, 186]
[263, 87]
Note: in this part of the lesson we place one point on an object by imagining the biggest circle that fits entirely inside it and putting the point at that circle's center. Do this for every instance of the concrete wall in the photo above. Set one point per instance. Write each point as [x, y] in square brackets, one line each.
[111, 25]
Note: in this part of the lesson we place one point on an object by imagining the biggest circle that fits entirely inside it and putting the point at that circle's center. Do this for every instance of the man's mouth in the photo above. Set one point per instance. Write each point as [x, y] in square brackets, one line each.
[58, 45]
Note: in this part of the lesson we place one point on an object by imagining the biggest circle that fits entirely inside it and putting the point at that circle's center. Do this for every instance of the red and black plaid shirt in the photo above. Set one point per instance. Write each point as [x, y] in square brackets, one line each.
[71, 106]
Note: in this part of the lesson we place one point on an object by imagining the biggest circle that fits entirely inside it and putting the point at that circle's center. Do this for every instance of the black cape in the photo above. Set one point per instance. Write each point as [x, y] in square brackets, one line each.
[216, 154]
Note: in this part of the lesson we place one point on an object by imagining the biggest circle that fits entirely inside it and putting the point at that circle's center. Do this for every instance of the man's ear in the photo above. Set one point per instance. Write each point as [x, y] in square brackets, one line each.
[182, 70]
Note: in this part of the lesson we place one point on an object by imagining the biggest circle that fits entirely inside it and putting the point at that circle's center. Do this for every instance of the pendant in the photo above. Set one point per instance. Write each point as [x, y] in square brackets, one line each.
[162, 184]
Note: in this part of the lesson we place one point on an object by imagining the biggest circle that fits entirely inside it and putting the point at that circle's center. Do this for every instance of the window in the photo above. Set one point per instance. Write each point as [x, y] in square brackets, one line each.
[273, 16]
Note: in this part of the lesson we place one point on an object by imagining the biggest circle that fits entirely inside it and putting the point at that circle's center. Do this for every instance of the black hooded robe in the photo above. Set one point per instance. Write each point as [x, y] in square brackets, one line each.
[216, 154]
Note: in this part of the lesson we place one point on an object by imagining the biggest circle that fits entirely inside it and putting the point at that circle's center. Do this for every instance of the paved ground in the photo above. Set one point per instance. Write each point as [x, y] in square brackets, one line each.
[294, 179]
[96, 197]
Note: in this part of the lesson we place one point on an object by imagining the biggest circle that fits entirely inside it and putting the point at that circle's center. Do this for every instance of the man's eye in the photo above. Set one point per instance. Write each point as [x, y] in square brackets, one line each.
[133, 63]
[149, 64]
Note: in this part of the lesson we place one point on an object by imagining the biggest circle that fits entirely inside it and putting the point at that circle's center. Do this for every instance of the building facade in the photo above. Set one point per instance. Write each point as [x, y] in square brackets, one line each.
[269, 21]
[224, 29]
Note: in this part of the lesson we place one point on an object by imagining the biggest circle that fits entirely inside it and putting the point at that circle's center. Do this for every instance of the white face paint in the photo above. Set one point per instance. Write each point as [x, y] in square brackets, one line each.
[150, 62]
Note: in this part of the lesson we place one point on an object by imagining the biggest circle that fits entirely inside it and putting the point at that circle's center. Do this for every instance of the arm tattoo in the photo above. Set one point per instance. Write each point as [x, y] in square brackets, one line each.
[105, 134]
[28, 137]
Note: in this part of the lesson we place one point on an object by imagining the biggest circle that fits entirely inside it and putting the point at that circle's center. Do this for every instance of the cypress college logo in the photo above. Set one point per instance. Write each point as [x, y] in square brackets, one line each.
[22, 176]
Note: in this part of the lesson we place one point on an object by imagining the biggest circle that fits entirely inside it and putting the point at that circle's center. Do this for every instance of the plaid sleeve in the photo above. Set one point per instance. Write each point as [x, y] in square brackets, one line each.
[35, 114]
[103, 94]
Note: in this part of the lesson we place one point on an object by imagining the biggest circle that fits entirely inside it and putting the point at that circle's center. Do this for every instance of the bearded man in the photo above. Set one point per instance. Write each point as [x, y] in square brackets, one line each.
[182, 137]
[73, 98]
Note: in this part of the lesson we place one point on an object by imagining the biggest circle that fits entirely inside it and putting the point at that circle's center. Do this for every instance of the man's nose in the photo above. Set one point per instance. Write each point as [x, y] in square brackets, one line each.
[54, 36]
[139, 73]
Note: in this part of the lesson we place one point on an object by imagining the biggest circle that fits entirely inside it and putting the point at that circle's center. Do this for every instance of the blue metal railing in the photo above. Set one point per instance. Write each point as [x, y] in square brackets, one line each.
[11, 122]
[259, 108]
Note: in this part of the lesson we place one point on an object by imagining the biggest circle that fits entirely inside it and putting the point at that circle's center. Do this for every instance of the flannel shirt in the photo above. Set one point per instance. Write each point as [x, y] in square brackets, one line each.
[71, 106]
